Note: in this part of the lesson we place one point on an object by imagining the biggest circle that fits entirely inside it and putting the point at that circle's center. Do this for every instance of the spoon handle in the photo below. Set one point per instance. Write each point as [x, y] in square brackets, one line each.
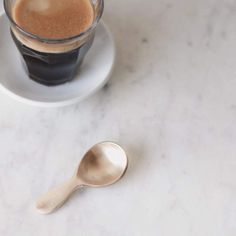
[55, 197]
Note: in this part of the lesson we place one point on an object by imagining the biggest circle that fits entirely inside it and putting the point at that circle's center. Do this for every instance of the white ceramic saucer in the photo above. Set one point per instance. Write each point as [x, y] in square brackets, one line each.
[93, 74]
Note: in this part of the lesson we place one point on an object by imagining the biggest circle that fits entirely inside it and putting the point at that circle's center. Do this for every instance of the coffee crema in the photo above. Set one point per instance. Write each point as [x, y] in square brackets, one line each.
[54, 19]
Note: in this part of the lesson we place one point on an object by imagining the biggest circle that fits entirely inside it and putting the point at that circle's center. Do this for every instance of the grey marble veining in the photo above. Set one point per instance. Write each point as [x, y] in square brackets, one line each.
[171, 103]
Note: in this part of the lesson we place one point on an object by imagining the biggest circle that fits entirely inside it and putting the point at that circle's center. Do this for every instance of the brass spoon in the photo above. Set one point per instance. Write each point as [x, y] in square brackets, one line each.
[104, 164]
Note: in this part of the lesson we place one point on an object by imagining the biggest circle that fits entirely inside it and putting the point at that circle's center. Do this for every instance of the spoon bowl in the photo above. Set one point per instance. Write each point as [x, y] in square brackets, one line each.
[104, 164]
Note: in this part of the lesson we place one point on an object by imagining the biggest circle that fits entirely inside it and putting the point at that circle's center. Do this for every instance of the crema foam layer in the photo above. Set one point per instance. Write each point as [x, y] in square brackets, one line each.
[52, 19]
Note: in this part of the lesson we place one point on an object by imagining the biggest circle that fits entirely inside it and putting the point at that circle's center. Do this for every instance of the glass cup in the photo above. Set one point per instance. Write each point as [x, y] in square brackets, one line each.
[52, 61]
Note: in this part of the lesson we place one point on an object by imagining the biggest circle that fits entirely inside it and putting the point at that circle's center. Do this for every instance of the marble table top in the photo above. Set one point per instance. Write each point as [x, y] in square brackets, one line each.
[171, 103]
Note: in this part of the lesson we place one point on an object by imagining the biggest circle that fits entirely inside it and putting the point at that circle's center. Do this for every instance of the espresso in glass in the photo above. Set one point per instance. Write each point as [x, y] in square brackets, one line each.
[53, 36]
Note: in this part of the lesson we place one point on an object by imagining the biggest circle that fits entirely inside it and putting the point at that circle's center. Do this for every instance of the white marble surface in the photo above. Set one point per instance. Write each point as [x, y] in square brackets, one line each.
[171, 103]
